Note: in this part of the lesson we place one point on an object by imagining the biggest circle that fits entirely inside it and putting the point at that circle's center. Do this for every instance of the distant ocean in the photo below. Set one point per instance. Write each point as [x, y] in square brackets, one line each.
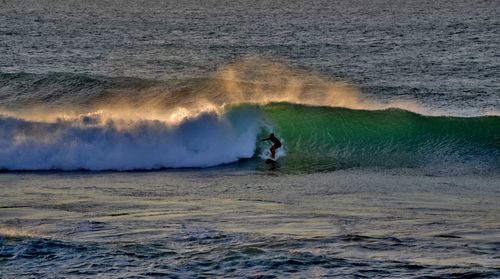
[130, 139]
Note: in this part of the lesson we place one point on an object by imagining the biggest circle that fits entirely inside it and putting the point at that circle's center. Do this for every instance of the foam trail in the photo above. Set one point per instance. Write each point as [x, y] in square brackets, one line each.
[97, 143]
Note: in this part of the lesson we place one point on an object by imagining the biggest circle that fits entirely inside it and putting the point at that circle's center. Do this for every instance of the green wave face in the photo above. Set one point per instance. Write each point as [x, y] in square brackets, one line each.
[324, 138]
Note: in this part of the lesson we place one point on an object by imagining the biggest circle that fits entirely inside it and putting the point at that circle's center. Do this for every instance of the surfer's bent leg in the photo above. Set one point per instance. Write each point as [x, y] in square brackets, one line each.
[273, 151]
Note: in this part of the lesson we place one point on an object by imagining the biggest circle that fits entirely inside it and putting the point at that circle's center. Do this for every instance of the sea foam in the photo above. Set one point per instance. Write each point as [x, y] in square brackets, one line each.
[98, 143]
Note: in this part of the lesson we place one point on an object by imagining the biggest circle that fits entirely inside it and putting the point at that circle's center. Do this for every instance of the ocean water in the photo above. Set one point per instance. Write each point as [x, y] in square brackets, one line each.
[233, 223]
[129, 139]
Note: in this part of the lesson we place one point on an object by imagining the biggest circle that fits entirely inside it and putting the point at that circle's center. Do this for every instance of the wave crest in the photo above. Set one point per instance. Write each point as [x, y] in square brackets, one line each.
[94, 142]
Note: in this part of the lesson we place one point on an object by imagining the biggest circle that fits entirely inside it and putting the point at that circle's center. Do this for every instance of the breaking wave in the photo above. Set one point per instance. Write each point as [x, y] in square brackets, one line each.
[315, 138]
[72, 122]
[93, 142]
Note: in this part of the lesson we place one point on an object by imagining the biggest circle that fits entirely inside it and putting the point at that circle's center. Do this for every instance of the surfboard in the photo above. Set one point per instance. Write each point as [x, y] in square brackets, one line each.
[270, 161]
[266, 156]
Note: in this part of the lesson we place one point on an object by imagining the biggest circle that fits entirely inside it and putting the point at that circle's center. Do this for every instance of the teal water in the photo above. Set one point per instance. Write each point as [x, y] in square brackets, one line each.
[323, 138]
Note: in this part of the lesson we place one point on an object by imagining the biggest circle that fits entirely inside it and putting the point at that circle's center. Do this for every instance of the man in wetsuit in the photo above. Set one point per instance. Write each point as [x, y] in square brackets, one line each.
[276, 144]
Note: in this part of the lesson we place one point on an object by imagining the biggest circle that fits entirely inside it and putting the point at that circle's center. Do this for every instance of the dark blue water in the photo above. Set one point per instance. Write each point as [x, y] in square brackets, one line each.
[441, 53]
[229, 223]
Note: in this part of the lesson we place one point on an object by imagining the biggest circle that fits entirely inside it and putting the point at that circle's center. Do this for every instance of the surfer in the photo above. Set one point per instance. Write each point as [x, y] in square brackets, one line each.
[276, 144]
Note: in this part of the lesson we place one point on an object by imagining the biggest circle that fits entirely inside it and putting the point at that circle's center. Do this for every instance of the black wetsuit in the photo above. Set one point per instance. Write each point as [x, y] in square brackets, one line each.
[276, 145]
[275, 140]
